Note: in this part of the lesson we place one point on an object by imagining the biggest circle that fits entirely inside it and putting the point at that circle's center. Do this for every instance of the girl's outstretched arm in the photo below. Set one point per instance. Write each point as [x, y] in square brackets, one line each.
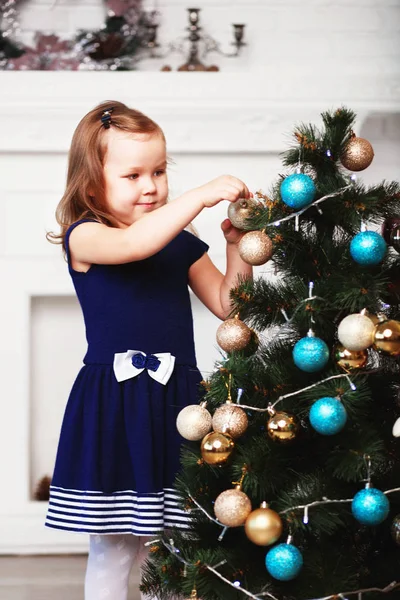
[209, 284]
[99, 244]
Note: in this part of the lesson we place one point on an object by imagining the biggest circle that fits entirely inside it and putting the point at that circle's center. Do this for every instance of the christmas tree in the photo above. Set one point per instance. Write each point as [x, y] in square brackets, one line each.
[291, 472]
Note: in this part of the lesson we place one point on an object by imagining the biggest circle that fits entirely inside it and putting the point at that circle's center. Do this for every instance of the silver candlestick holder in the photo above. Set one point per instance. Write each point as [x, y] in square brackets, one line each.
[196, 45]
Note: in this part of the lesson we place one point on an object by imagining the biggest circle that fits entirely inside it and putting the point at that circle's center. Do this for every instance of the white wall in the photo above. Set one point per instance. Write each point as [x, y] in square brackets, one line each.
[302, 58]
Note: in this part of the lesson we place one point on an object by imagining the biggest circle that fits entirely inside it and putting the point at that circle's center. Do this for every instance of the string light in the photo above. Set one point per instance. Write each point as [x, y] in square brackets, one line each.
[309, 387]
[297, 214]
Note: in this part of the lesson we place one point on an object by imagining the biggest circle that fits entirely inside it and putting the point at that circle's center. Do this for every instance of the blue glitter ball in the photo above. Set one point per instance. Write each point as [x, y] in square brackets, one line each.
[284, 562]
[368, 248]
[310, 354]
[297, 190]
[328, 416]
[370, 506]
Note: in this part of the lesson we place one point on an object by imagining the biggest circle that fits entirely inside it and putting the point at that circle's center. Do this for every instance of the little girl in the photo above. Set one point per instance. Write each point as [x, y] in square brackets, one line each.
[131, 261]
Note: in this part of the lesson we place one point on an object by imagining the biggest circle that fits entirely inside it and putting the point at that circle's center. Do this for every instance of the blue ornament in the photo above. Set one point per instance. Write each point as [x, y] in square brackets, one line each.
[368, 248]
[370, 506]
[284, 562]
[310, 354]
[328, 416]
[297, 190]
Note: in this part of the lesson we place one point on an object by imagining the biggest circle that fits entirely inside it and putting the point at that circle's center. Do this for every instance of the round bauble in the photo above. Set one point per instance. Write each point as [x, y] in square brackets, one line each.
[282, 427]
[216, 448]
[284, 562]
[349, 360]
[310, 354]
[387, 337]
[233, 335]
[356, 332]
[328, 416]
[395, 238]
[263, 526]
[297, 190]
[368, 248]
[390, 230]
[230, 418]
[357, 155]
[370, 506]
[194, 422]
[232, 508]
[395, 530]
[255, 248]
[396, 428]
[240, 211]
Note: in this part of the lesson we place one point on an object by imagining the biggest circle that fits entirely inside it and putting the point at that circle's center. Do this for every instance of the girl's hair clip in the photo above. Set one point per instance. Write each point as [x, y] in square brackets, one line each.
[106, 117]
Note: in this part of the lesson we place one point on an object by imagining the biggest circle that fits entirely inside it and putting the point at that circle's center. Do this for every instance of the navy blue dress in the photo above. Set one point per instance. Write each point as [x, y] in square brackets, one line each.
[119, 448]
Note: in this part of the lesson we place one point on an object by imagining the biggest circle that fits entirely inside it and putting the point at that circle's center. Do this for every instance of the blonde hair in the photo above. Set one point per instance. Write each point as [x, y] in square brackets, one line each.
[85, 165]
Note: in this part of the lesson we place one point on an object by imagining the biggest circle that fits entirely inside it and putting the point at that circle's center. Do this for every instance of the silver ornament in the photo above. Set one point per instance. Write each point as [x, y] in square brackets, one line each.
[194, 422]
[356, 332]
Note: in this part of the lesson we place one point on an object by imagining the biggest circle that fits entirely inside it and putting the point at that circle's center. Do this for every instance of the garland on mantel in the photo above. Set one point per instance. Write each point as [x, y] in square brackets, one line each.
[113, 47]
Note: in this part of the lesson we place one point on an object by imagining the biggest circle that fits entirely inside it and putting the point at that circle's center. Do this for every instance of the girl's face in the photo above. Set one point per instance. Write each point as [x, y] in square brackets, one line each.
[135, 175]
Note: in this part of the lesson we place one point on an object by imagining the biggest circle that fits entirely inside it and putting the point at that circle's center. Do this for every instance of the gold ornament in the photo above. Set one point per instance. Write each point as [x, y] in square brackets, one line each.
[348, 360]
[358, 154]
[263, 526]
[230, 418]
[282, 427]
[255, 248]
[232, 507]
[240, 211]
[193, 595]
[387, 337]
[233, 334]
[216, 448]
[395, 530]
[356, 332]
[194, 422]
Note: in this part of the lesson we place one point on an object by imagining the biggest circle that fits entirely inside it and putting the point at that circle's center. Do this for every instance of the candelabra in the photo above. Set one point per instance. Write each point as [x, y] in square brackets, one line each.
[196, 45]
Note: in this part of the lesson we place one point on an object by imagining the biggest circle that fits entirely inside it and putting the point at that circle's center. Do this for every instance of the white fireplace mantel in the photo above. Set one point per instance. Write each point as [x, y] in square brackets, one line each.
[199, 112]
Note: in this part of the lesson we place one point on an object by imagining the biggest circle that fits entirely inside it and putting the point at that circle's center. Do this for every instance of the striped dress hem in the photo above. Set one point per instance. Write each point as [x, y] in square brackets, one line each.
[123, 511]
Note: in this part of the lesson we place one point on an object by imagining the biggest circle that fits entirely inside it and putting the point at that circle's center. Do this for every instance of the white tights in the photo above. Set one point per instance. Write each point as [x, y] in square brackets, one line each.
[109, 564]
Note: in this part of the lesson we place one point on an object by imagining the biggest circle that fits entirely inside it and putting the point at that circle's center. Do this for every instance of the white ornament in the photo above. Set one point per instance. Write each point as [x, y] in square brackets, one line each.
[396, 428]
[194, 422]
[356, 332]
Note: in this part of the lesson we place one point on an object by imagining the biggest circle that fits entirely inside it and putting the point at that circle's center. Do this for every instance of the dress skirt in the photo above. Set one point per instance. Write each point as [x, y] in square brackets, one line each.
[119, 453]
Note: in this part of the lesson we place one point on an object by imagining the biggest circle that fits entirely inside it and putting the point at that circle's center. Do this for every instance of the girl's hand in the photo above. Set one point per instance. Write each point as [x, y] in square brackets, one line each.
[231, 233]
[225, 187]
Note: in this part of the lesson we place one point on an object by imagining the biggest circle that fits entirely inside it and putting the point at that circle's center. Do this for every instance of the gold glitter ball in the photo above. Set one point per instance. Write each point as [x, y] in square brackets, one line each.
[216, 448]
[356, 332]
[358, 154]
[194, 422]
[233, 335]
[282, 427]
[263, 526]
[348, 360]
[230, 418]
[240, 211]
[255, 248]
[387, 337]
[232, 508]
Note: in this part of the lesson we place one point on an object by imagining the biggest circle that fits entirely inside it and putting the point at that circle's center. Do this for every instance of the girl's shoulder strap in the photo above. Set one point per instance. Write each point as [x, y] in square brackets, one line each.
[68, 233]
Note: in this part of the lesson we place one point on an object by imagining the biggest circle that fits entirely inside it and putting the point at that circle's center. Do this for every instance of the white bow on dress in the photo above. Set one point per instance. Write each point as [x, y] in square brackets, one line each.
[159, 366]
